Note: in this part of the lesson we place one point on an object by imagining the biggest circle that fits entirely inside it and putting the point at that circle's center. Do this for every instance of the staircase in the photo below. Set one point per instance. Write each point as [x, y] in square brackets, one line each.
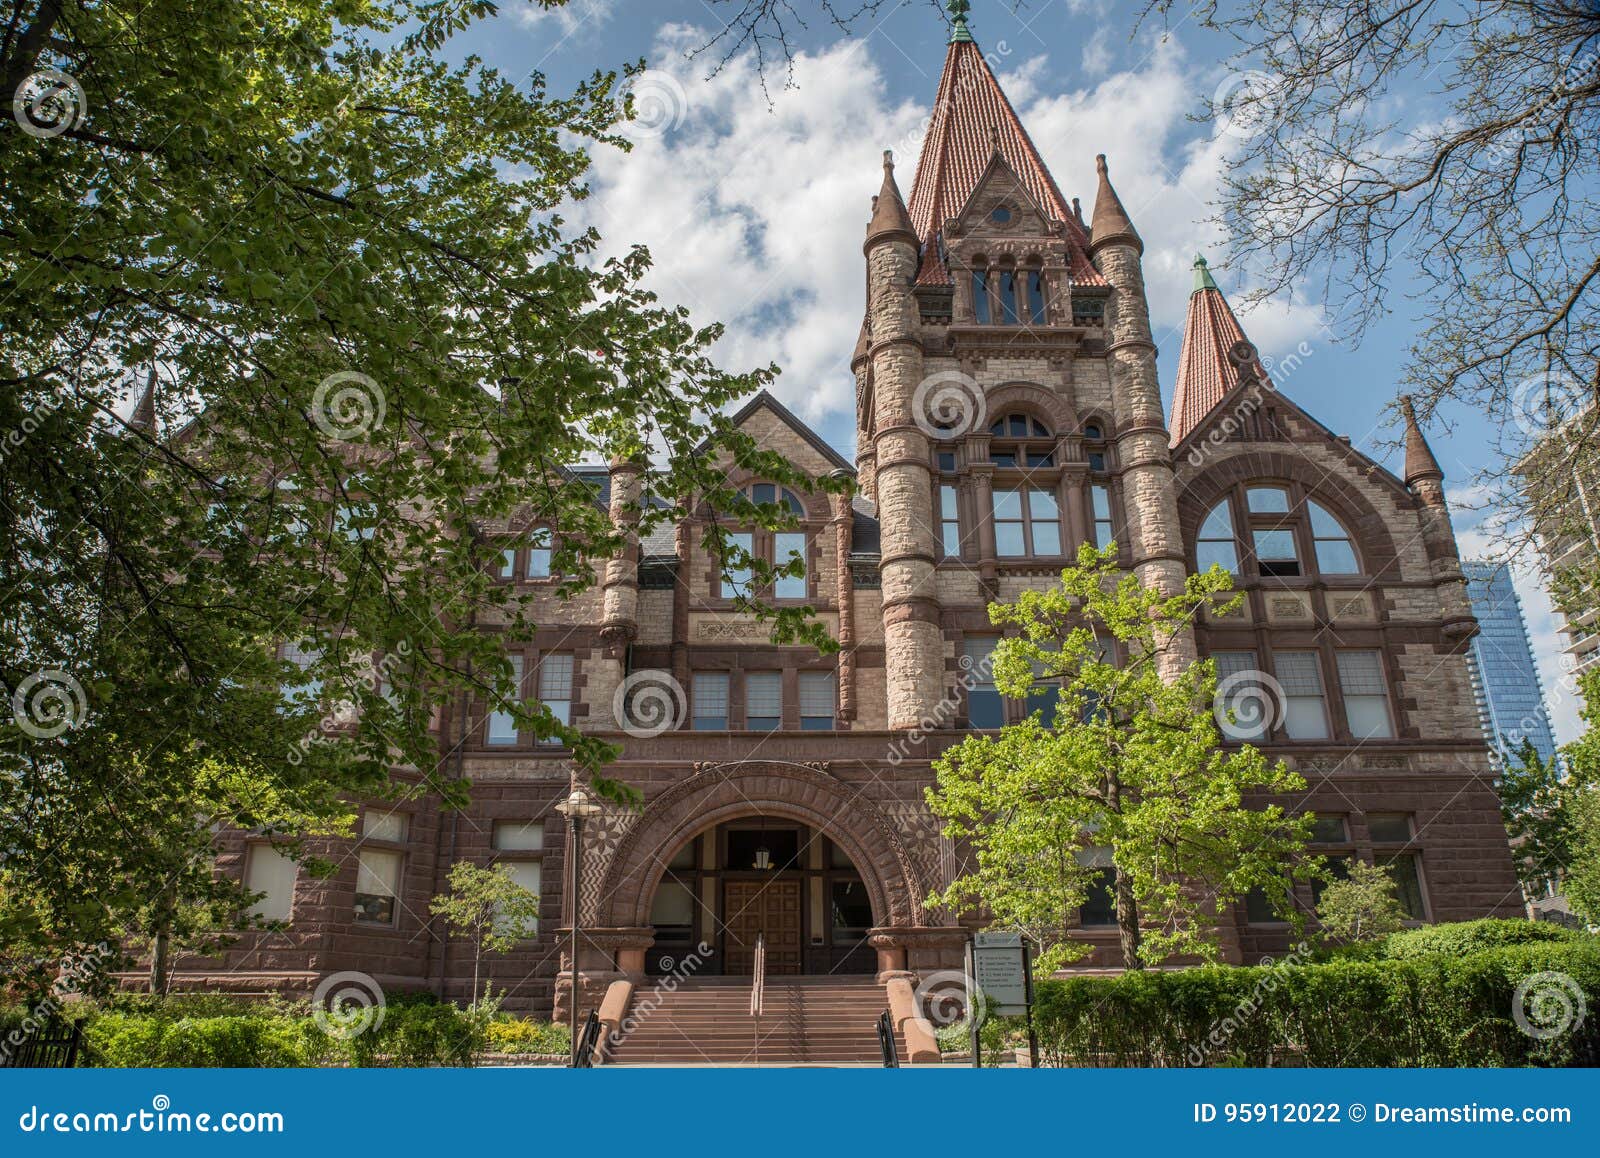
[806, 1021]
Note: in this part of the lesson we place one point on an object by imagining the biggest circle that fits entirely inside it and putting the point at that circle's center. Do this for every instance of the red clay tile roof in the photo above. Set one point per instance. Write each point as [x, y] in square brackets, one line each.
[970, 116]
[1204, 372]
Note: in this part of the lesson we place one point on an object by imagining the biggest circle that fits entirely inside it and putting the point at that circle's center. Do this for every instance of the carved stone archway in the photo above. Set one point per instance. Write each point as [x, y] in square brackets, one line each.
[803, 792]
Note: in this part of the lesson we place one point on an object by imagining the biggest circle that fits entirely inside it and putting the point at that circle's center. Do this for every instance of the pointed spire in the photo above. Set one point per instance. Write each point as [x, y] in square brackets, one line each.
[959, 34]
[1110, 218]
[143, 418]
[971, 121]
[889, 216]
[1420, 464]
[863, 343]
[1216, 355]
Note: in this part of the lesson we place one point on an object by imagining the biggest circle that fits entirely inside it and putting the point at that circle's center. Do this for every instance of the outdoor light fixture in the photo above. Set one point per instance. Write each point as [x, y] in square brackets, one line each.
[577, 808]
[763, 857]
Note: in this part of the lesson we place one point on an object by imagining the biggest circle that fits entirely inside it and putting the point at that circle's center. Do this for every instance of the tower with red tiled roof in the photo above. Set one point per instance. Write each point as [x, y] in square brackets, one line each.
[1208, 364]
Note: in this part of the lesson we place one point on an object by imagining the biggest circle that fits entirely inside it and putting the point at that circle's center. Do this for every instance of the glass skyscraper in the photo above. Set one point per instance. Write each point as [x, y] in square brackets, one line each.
[1504, 675]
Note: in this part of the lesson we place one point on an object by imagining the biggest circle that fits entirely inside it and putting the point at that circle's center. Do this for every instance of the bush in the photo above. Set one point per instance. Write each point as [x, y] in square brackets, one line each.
[421, 1031]
[1430, 1010]
[508, 1034]
[1464, 937]
[247, 1041]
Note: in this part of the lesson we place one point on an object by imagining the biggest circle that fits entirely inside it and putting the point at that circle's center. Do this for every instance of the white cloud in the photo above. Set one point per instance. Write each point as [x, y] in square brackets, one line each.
[572, 17]
[755, 214]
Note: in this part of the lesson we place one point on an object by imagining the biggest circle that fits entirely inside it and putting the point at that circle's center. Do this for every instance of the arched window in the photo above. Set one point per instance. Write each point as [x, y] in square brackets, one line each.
[1216, 543]
[1008, 297]
[1020, 441]
[776, 548]
[1036, 313]
[1277, 523]
[980, 295]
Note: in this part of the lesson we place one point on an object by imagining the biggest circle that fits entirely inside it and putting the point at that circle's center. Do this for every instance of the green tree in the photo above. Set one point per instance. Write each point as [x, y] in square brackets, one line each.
[490, 909]
[1579, 807]
[334, 248]
[1533, 801]
[1362, 907]
[1131, 763]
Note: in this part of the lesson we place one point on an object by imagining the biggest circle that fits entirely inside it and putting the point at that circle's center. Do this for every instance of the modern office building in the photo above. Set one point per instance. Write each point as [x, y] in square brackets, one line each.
[1505, 676]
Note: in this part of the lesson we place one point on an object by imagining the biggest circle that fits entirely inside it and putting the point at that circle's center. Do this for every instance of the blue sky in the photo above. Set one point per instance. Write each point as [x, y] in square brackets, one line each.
[754, 211]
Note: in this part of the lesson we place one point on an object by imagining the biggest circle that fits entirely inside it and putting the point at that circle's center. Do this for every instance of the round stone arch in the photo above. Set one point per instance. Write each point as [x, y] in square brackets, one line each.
[766, 788]
[1034, 398]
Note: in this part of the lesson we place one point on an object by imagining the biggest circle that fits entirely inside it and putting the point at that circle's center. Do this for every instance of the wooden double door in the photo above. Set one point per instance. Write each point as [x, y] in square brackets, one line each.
[751, 908]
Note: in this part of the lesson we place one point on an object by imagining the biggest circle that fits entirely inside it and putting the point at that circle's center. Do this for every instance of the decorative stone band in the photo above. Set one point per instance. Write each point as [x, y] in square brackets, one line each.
[885, 343]
[911, 609]
[907, 460]
[1131, 344]
[910, 556]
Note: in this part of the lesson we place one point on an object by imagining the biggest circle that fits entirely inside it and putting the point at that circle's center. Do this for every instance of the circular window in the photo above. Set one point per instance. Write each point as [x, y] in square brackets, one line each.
[1000, 215]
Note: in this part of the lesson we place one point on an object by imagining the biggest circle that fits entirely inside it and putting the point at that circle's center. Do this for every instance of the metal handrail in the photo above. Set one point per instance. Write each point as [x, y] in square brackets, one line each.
[758, 977]
[886, 1042]
[588, 1040]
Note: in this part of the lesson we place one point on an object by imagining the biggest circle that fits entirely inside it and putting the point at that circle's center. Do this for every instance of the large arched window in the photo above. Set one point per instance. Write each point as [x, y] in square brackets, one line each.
[1007, 295]
[774, 547]
[1283, 533]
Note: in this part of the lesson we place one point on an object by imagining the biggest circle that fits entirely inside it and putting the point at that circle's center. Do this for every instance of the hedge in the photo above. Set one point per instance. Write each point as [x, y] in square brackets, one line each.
[217, 1031]
[1465, 937]
[1429, 1010]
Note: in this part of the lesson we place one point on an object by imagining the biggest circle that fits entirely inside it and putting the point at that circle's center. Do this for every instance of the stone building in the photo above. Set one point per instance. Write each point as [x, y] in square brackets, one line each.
[1008, 409]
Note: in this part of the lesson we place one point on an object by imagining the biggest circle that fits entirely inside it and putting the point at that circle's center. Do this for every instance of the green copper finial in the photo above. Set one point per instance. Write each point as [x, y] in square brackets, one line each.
[958, 10]
[1202, 275]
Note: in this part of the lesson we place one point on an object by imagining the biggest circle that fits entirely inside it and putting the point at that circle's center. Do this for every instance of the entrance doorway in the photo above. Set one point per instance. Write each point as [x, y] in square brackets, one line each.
[761, 876]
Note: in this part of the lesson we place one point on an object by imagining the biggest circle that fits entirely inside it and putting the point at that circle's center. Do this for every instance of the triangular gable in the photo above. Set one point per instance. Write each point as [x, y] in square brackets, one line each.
[1000, 177]
[1240, 417]
[762, 411]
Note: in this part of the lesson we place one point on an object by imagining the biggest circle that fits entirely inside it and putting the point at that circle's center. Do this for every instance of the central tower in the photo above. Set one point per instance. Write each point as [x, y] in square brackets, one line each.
[1008, 408]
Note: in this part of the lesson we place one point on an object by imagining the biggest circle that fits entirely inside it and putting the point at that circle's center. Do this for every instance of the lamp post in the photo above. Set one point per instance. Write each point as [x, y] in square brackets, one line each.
[577, 808]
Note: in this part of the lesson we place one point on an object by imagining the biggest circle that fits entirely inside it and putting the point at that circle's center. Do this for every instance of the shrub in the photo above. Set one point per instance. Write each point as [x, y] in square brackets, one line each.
[421, 1031]
[508, 1034]
[243, 1041]
[1464, 937]
[1437, 1009]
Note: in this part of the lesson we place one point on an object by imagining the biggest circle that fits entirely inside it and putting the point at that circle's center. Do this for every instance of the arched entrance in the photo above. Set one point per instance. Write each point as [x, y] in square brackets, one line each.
[760, 875]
